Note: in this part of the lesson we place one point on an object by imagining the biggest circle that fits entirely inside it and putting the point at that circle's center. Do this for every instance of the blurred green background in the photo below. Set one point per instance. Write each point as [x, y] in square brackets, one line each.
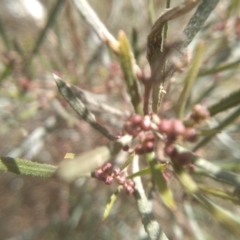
[38, 125]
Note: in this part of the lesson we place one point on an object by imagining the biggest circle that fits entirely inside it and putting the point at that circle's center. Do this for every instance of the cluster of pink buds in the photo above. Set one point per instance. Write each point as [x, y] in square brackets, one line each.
[174, 129]
[107, 174]
[140, 126]
[146, 129]
[146, 143]
[137, 123]
[179, 158]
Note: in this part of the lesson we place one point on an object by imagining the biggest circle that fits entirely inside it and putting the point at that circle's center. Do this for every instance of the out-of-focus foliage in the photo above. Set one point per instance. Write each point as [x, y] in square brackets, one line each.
[46, 37]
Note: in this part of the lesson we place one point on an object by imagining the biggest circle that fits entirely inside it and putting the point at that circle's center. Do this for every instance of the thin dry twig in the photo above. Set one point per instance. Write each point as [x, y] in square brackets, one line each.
[93, 20]
[90, 16]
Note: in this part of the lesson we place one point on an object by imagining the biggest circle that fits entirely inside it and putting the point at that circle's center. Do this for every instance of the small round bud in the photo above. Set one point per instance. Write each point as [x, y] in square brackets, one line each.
[109, 180]
[107, 168]
[146, 123]
[121, 180]
[129, 189]
[190, 135]
[150, 137]
[201, 111]
[139, 149]
[98, 173]
[170, 150]
[165, 126]
[178, 127]
[116, 171]
[136, 119]
[148, 147]
[155, 119]
[131, 183]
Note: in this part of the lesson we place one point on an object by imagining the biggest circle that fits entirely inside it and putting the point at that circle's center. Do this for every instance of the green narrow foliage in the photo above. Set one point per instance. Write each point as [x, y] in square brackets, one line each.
[230, 101]
[128, 161]
[7, 71]
[151, 11]
[228, 220]
[112, 200]
[134, 43]
[26, 167]
[51, 20]
[222, 125]
[4, 35]
[142, 172]
[222, 68]
[190, 79]
[147, 171]
[224, 217]
[127, 64]
[223, 194]
[165, 192]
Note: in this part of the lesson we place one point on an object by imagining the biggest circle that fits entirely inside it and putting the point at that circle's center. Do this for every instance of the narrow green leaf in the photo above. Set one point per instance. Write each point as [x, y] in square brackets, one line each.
[220, 193]
[112, 200]
[227, 219]
[163, 188]
[224, 217]
[140, 173]
[230, 101]
[218, 69]
[7, 71]
[127, 63]
[147, 171]
[190, 79]
[151, 11]
[222, 125]
[128, 161]
[26, 167]
[4, 35]
[51, 19]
